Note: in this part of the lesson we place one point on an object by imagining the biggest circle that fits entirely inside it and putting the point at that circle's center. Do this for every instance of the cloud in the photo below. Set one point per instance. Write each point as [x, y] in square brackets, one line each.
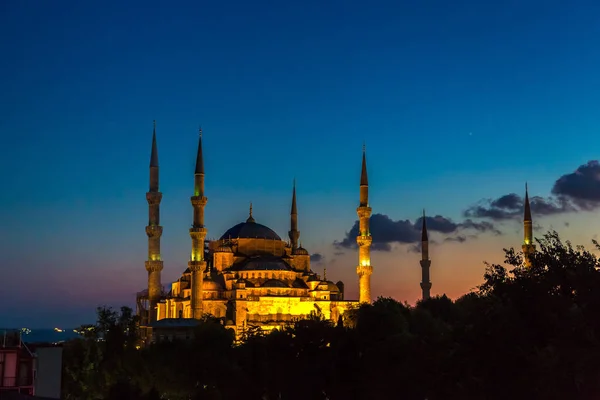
[582, 187]
[579, 190]
[575, 191]
[316, 258]
[386, 231]
[458, 239]
[511, 206]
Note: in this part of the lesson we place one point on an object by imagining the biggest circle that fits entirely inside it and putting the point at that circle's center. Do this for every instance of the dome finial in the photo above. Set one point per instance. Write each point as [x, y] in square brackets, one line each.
[325, 273]
[250, 218]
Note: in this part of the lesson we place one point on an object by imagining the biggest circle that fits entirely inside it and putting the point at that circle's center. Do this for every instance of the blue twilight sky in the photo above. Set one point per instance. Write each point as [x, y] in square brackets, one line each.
[456, 101]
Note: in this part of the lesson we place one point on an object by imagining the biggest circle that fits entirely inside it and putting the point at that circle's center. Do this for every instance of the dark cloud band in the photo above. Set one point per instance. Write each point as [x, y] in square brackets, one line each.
[510, 206]
[581, 187]
[386, 231]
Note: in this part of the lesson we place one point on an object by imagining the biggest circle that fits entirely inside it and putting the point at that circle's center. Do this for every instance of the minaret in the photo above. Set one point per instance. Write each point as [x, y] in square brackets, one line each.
[294, 233]
[154, 265]
[364, 239]
[197, 264]
[528, 246]
[425, 261]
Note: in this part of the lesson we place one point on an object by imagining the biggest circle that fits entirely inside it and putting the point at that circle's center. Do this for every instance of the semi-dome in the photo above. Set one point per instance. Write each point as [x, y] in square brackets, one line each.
[250, 230]
[246, 282]
[299, 284]
[276, 283]
[262, 264]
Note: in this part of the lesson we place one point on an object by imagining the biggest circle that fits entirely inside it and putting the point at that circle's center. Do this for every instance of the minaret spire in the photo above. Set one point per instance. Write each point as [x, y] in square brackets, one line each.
[528, 246]
[424, 236]
[527, 213]
[364, 239]
[425, 261]
[197, 263]
[294, 233]
[364, 181]
[154, 264]
[154, 153]
[199, 158]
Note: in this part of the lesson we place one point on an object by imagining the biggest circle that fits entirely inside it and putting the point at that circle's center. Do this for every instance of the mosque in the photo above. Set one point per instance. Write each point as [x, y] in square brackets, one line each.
[250, 277]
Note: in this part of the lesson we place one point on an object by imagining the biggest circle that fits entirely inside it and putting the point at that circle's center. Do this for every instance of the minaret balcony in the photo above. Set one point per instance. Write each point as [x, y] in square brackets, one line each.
[199, 201]
[364, 270]
[364, 240]
[153, 198]
[364, 212]
[154, 265]
[197, 265]
[198, 232]
[154, 231]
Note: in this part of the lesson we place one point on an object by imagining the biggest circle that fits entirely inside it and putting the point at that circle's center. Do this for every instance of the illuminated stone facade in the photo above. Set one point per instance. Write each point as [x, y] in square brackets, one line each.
[249, 277]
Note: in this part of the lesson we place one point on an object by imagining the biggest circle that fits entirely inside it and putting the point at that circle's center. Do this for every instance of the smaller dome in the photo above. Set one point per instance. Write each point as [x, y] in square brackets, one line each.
[209, 284]
[332, 287]
[224, 248]
[300, 251]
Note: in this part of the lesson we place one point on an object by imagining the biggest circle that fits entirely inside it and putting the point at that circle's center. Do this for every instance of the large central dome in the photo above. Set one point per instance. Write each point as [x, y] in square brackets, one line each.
[250, 230]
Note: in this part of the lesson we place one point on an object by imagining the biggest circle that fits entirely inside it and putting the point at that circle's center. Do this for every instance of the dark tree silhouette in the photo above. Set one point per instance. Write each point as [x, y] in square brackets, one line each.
[524, 333]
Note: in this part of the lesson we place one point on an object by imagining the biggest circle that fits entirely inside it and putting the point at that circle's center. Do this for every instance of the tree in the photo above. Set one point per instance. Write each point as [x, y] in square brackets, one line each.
[524, 333]
[97, 360]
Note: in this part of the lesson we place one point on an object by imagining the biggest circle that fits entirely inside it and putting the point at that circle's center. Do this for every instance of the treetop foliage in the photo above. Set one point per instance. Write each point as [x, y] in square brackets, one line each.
[524, 333]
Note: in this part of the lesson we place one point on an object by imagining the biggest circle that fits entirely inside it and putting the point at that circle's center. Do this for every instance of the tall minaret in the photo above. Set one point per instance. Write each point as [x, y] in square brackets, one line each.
[294, 233]
[197, 264]
[154, 265]
[528, 246]
[364, 239]
[425, 261]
